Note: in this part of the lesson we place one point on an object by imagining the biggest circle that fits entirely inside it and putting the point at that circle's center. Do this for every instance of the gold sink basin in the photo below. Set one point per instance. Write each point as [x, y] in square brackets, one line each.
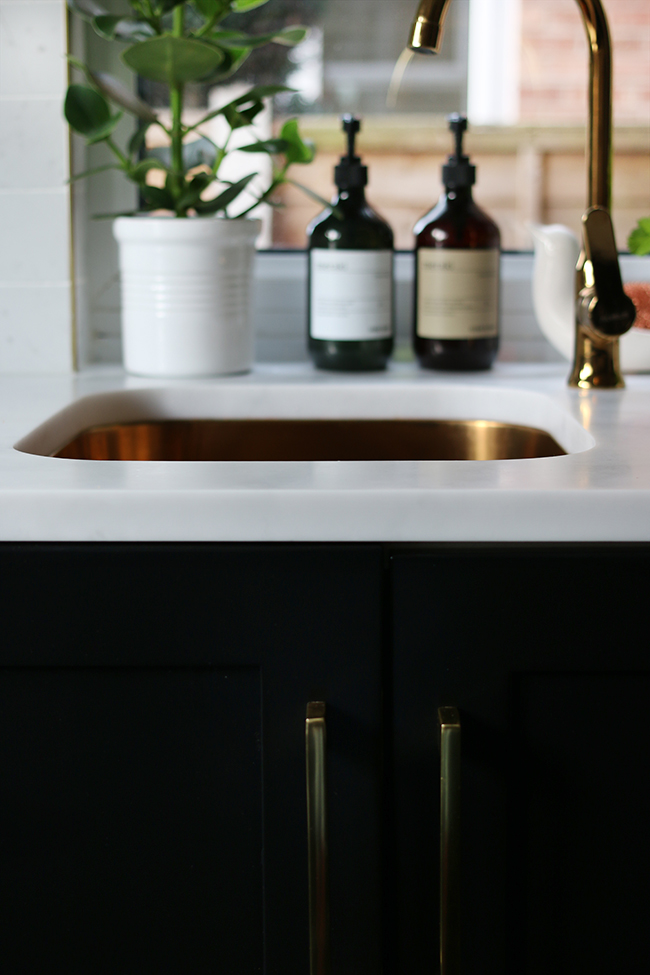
[295, 440]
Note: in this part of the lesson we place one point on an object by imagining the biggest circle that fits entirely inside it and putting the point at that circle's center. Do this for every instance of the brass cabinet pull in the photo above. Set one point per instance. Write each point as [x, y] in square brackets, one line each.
[449, 721]
[315, 738]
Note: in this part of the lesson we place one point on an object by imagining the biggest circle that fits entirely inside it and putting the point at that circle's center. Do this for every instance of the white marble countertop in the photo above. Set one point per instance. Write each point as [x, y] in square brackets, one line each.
[598, 491]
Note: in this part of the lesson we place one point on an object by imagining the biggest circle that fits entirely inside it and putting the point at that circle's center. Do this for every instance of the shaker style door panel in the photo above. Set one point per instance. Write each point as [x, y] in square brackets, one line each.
[131, 820]
[580, 821]
[541, 651]
[242, 637]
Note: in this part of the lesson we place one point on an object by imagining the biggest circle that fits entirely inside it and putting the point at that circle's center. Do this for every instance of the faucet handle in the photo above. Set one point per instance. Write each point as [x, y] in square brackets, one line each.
[603, 304]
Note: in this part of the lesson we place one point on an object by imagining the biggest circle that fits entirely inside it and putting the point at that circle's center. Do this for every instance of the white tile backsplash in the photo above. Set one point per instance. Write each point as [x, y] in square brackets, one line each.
[35, 238]
[34, 144]
[35, 266]
[280, 309]
[32, 49]
[35, 331]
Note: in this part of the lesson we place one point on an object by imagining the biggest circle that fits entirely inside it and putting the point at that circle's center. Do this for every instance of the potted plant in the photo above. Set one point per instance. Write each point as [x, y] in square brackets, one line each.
[186, 255]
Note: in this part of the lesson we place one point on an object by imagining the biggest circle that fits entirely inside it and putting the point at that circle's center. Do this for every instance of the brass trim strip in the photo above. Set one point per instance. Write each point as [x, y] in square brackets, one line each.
[449, 722]
[315, 742]
[72, 260]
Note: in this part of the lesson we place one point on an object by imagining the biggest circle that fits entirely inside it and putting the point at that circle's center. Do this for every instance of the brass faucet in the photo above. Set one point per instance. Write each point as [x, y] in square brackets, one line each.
[603, 310]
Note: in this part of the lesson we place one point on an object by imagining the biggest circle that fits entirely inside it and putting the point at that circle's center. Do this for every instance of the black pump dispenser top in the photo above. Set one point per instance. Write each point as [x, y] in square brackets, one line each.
[350, 173]
[458, 171]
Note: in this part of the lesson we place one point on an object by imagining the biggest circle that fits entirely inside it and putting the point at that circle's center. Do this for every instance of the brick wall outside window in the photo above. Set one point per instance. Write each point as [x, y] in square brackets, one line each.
[555, 57]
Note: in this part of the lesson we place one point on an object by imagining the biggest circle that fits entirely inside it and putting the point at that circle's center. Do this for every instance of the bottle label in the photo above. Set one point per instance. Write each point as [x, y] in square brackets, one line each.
[351, 294]
[458, 293]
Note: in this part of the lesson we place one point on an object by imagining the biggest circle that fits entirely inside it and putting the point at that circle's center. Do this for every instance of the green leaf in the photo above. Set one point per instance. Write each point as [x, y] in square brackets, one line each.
[122, 29]
[224, 38]
[157, 198]
[266, 197]
[138, 173]
[76, 63]
[288, 36]
[224, 199]
[172, 60]
[639, 240]
[229, 112]
[239, 120]
[123, 96]
[85, 109]
[137, 140]
[200, 152]
[261, 91]
[236, 112]
[87, 8]
[244, 109]
[272, 146]
[212, 10]
[92, 172]
[104, 131]
[314, 196]
[241, 6]
[299, 151]
[233, 58]
[167, 5]
[109, 86]
[105, 25]
[192, 194]
[208, 8]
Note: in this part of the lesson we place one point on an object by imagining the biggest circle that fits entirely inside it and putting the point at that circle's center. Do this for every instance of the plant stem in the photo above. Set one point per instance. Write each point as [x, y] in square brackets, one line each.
[263, 198]
[118, 152]
[176, 105]
[221, 155]
[207, 26]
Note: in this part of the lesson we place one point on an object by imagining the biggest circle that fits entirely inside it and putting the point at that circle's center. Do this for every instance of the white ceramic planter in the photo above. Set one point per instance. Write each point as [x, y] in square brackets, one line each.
[186, 294]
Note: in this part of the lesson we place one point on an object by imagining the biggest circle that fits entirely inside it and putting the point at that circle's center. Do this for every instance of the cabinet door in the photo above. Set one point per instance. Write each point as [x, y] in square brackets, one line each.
[544, 653]
[152, 755]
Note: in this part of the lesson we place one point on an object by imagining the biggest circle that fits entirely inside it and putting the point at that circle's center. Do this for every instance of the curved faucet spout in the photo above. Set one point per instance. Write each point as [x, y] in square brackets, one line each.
[600, 103]
[427, 29]
[426, 35]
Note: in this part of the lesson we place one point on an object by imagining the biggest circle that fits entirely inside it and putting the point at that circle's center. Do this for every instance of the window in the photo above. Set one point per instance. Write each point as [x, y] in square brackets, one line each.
[519, 69]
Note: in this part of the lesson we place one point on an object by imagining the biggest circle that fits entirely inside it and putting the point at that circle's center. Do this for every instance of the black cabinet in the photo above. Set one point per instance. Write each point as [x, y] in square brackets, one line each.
[152, 755]
[544, 651]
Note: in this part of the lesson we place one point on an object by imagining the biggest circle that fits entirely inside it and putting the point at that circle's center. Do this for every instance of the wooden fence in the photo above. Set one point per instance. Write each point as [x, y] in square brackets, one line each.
[524, 174]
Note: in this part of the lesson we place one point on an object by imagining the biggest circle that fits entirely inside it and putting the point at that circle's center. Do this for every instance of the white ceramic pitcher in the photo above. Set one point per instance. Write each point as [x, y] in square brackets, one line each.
[556, 254]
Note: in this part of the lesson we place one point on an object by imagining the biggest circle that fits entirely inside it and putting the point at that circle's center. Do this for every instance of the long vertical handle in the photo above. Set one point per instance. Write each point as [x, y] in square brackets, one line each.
[449, 721]
[315, 740]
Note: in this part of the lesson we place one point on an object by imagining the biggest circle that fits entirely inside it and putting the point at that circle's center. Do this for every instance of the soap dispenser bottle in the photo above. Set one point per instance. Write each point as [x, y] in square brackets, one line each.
[350, 249]
[457, 273]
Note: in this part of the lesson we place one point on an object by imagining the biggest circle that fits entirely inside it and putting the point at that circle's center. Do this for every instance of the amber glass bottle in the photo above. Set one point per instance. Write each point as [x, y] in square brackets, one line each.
[350, 274]
[457, 273]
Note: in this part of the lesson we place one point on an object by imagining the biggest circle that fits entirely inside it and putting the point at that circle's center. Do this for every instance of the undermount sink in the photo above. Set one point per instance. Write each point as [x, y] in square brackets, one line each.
[305, 422]
[291, 440]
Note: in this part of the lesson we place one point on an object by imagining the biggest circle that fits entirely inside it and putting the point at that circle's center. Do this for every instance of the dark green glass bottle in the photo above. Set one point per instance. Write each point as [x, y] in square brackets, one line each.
[350, 302]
